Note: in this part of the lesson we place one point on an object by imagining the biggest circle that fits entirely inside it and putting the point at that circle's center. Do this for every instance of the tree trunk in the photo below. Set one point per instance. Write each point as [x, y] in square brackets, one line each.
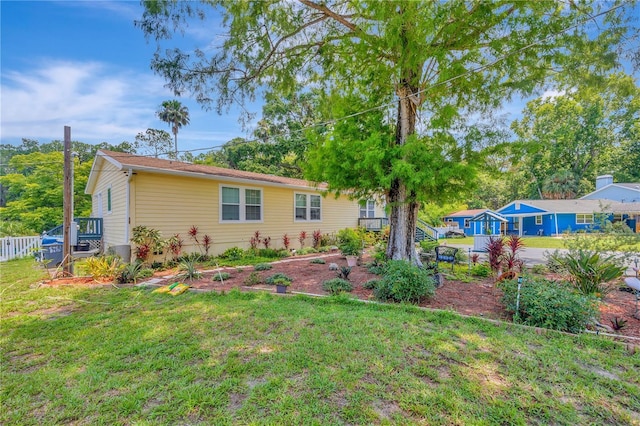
[404, 208]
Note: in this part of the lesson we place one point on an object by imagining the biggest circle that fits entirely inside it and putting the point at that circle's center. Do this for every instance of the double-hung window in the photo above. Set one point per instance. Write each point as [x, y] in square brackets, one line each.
[367, 209]
[307, 207]
[240, 204]
[539, 219]
[584, 219]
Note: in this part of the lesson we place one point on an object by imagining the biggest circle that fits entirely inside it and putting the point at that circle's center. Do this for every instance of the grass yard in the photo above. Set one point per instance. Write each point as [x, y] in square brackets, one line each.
[107, 355]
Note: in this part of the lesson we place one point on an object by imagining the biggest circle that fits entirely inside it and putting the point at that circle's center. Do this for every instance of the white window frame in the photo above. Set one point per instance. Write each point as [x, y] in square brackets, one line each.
[308, 207]
[539, 219]
[367, 209]
[584, 218]
[242, 205]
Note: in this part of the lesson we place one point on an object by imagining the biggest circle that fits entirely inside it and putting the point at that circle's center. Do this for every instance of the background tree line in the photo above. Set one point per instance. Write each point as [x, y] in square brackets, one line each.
[554, 151]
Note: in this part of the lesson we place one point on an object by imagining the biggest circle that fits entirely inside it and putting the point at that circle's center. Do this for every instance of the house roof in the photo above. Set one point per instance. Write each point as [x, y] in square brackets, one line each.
[124, 161]
[466, 213]
[577, 206]
[488, 216]
[628, 186]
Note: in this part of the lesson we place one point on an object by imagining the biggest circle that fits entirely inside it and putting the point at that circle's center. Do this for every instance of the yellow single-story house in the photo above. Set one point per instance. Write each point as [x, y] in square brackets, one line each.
[228, 205]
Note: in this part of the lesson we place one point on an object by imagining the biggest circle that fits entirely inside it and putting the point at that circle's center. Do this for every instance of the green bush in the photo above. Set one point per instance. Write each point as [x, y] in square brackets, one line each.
[275, 277]
[539, 269]
[306, 250]
[481, 270]
[233, 253]
[337, 285]
[371, 284]
[350, 242]
[263, 267]
[549, 304]
[318, 261]
[221, 276]
[428, 245]
[404, 282]
[253, 279]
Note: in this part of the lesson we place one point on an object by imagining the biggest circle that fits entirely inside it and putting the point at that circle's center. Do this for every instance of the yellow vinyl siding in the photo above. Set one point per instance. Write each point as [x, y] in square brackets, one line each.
[173, 204]
[114, 221]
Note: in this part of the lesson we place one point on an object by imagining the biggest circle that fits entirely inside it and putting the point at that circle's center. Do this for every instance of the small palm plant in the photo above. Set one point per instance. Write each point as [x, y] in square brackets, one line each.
[590, 273]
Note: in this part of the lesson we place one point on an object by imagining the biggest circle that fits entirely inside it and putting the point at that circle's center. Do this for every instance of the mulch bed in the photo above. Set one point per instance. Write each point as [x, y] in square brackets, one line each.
[479, 298]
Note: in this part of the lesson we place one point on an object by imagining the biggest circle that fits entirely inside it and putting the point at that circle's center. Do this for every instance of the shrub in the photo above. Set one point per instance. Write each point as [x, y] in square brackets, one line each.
[263, 267]
[590, 273]
[307, 250]
[371, 284]
[286, 241]
[103, 268]
[318, 261]
[428, 245]
[549, 304]
[481, 270]
[337, 285]
[221, 276]
[254, 278]
[233, 253]
[278, 275]
[538, 269]
[404, 282]
[349, 242]
[272, 253]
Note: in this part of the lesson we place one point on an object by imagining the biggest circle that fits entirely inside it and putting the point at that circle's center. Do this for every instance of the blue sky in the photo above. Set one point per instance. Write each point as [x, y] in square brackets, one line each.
[84, 64]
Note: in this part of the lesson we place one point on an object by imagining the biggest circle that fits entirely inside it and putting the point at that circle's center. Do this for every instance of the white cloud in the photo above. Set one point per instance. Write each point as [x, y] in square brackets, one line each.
[100, 104]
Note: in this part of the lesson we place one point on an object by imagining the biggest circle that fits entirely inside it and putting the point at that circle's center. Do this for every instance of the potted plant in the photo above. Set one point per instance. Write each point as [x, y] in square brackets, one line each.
[281, 285]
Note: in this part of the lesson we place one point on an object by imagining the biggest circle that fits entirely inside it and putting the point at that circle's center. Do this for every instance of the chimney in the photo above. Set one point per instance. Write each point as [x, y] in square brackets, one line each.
[604, 180]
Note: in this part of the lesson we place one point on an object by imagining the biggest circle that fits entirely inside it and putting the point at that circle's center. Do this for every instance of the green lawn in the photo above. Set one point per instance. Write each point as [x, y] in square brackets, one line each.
[127, 356]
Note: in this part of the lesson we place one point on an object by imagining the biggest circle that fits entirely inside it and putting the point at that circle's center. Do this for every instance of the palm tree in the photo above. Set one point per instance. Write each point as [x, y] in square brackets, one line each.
[176, 115]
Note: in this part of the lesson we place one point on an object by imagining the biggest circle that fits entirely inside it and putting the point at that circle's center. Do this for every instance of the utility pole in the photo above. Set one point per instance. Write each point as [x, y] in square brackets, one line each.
[67, 204]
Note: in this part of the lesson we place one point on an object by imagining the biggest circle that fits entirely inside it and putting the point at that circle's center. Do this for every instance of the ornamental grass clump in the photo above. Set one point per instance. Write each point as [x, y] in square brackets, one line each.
[337, 286]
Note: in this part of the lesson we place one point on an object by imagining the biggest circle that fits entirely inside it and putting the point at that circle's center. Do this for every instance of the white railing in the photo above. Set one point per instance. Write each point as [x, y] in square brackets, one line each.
[15, 247]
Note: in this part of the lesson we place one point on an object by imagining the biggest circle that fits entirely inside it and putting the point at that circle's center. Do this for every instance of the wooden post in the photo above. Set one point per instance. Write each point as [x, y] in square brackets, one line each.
[67, 204]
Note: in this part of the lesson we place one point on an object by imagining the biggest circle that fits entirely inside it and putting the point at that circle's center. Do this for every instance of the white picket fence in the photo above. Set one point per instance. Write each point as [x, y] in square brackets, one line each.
[15, 247]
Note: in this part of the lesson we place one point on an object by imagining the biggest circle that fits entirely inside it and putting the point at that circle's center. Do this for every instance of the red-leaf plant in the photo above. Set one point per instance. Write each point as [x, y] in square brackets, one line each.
[511, 260]
[174, 245]
[301, 238]
[206, 243]
[266, 241]
[255, 240]
[495, 250]
[286, 241]
[317, 239]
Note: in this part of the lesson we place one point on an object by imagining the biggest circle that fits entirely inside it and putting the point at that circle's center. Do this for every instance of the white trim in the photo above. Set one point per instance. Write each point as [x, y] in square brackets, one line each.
[308, 207]
[242, 204]
[127, 207]
[585, 222]
[540, 217]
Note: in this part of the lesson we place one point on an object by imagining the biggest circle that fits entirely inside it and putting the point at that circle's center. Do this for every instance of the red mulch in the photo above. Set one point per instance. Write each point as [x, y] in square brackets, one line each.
[478, 298]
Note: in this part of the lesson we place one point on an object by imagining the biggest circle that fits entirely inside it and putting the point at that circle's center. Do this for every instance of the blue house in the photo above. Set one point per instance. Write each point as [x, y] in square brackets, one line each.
[462, 220]
[552, 217]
